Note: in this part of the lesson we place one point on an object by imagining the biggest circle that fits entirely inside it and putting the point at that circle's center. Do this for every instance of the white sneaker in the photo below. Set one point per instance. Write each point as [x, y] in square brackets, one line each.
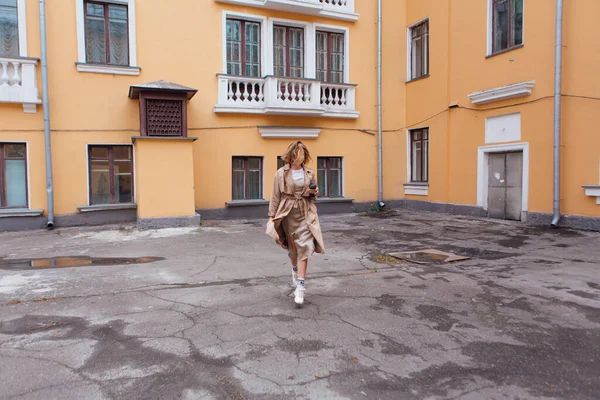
[294, 278]
[299, 294]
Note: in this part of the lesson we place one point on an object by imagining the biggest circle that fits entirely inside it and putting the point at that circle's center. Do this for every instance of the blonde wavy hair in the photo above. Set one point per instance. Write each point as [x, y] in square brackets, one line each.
[297, 152]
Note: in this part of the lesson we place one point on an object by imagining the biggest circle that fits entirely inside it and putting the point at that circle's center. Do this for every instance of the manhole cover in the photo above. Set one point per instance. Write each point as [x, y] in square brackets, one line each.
[428, 256]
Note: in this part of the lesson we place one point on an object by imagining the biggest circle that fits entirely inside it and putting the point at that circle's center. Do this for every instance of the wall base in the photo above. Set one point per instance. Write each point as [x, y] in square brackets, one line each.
[567, 221]
[11, 224]
[96, 218]
[171, 222]
[262, 210]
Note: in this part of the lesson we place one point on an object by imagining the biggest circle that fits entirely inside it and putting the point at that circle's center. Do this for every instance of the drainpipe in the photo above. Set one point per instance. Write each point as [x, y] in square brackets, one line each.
[557, 108]
[379, 119]
[46, 105]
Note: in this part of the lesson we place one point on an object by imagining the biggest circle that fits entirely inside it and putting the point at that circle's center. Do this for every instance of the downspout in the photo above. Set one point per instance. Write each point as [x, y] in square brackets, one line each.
[379, 117]
[557, 109]
[46, 105]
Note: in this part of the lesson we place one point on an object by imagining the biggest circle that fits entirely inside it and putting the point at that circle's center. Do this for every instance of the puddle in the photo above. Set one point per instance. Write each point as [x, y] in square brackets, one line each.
[72, 262]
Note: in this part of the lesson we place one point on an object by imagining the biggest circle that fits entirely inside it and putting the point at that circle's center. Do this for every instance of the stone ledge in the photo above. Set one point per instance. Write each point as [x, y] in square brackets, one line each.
[20, 212]
[108, 207]
[322, 200]
[246, 203]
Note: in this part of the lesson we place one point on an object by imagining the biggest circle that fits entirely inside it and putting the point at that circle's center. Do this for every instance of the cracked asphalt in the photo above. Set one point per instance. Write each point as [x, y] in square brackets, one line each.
[213, 316]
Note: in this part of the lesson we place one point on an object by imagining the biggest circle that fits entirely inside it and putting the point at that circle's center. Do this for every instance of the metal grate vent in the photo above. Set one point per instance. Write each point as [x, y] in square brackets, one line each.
[164, 117]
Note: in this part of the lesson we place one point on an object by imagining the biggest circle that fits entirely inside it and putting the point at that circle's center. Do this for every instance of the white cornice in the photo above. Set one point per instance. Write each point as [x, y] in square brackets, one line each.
[502, 93]
[284, 132]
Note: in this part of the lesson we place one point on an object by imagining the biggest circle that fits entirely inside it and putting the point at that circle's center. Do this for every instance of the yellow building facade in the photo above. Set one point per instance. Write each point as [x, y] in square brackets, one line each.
[161, 113]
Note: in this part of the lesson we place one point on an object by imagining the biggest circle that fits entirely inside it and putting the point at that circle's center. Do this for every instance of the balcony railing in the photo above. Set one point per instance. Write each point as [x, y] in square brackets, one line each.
[290, 96]
[338, 9]
[18, 82]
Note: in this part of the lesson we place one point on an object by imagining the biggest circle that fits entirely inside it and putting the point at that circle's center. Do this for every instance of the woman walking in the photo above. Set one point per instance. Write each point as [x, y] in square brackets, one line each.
[293, 220]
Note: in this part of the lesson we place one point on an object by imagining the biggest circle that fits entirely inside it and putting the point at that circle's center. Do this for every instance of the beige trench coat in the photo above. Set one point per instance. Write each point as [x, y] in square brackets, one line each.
[282, 202]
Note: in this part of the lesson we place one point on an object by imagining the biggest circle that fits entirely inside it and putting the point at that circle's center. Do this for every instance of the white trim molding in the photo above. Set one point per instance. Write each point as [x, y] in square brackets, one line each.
[22, 27]
[502, 93]
[503, 128]
[284, 132]
[416, 189]
[592, 191]
[482, 171]
[107, 69]
[311, 7]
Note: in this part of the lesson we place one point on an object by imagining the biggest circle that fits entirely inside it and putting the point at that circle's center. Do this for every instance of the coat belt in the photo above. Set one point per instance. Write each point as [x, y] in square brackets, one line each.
[298, 199]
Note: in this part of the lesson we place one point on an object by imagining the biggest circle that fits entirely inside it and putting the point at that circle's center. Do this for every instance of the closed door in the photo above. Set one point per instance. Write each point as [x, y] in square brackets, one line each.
[505, 185]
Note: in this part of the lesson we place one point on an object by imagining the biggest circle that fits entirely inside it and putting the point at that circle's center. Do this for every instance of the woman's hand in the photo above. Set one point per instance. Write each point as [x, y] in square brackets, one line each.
[314, 191]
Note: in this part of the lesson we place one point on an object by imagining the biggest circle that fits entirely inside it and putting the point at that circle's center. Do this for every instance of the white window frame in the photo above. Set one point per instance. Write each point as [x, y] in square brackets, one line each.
[309, 45]
[410, 187]
[483, 171]
[266, 44]
[409, 50]
[264, 37]
[83, 66]
[490, 29]
[335, 29]
[22, 27]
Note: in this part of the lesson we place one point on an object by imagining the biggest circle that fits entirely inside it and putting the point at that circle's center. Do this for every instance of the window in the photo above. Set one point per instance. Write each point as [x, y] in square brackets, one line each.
[247, 178]
[106, 33]
[419, 50]
[288, 51]
[419, 156]
[243, 48]
[507, 24]
[330, 57]
[111, 174]
[9, 28]
[329, 175]
[13, 175]
[280, 162]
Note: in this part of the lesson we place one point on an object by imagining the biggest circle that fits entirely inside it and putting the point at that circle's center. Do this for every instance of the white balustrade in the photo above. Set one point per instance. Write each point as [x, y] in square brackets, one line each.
[338, 5]
[277, 95]
[18, 82]
[341, 3]
[338, 96]
[294, 92]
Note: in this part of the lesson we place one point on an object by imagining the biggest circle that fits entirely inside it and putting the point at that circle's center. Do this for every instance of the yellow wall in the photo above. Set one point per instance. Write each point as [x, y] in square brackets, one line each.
[183, 44]
[165, 178]
[459, 66]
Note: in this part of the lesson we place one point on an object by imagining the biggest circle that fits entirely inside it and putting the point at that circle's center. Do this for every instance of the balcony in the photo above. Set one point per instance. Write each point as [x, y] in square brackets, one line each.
[285, 96]
[18, 82]
[336, 9]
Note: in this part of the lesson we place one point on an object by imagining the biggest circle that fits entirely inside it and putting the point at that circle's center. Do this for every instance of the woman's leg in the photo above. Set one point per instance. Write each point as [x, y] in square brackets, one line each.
[302, 267]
